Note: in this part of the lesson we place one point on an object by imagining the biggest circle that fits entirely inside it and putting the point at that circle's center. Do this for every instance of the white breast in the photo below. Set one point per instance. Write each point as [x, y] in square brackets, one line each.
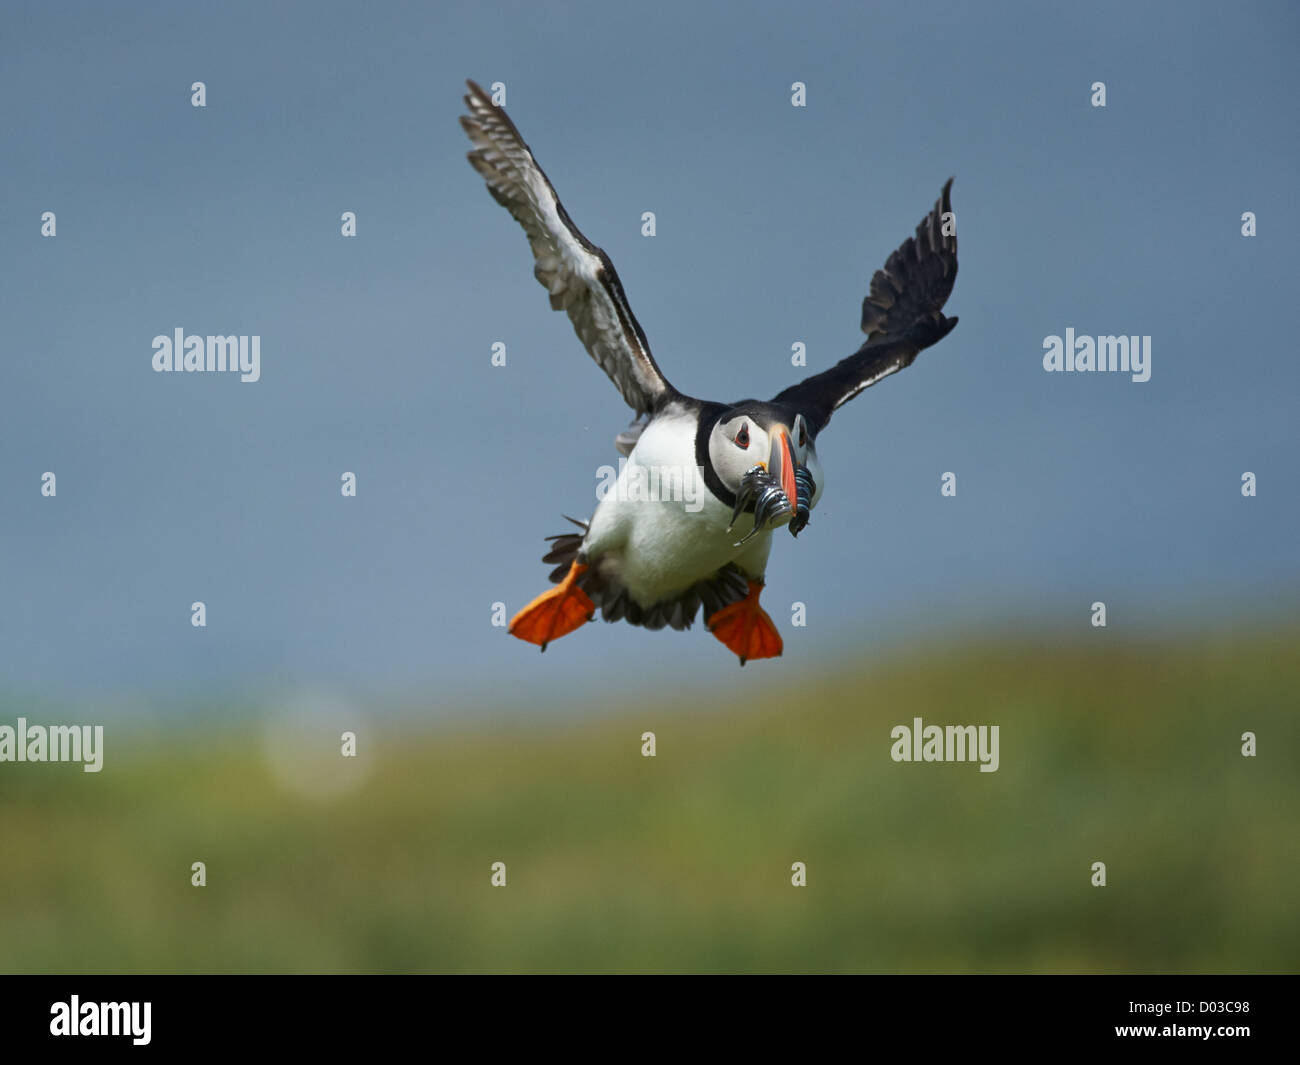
[660, 530]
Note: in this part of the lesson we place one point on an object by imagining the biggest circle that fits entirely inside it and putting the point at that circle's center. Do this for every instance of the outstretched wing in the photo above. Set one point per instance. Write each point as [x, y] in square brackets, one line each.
[902, 316]
[578, 275]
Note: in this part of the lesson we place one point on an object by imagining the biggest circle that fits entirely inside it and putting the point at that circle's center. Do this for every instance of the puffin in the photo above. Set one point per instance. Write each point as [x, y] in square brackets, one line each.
[703, 486]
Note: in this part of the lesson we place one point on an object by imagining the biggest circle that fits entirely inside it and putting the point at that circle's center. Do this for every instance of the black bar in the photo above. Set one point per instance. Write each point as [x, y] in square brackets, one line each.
[344, 1013]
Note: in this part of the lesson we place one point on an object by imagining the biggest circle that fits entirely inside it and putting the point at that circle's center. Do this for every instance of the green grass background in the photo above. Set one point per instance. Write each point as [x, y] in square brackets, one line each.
[1131, 756]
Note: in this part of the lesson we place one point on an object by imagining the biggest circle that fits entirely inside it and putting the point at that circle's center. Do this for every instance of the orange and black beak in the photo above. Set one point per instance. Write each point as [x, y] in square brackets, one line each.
[772, 489]
[780, 464]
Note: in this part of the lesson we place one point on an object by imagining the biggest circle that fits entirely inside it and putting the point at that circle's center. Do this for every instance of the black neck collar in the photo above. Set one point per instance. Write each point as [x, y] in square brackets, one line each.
[709, 415]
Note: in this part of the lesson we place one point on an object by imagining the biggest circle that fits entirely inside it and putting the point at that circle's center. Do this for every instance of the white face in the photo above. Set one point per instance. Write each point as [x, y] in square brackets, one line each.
[739, 443]
[736, 446]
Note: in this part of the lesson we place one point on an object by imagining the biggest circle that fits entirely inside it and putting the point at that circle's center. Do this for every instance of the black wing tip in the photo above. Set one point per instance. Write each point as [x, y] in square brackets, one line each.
[932, 249]
[944, 205]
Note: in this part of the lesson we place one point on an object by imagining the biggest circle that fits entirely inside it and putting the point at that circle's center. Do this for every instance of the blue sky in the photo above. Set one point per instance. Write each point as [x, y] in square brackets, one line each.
[770, 221]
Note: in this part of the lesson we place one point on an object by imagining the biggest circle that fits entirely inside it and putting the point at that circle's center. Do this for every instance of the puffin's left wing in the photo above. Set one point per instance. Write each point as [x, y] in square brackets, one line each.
[902, 316]
[577, 274]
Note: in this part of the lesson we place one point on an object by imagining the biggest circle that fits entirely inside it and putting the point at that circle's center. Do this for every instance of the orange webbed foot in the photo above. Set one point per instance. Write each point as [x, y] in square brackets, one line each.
[746, 629]
[555, 613]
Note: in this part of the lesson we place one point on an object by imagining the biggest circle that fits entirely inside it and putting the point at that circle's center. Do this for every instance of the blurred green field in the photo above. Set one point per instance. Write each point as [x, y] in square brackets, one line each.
[682, 862]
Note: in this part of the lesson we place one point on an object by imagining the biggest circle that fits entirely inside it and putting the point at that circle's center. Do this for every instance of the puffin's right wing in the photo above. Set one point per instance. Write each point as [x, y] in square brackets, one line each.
[577, 274]
[902, 316]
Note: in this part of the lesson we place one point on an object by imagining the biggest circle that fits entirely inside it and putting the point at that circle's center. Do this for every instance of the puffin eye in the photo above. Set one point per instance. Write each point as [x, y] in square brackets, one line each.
[803, 432]
[742, 437]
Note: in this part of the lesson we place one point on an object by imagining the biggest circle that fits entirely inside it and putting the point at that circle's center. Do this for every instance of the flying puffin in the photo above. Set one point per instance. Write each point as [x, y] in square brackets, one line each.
[647, 556]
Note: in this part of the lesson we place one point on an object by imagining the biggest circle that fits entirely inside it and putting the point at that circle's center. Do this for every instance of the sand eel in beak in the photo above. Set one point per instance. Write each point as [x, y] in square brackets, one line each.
[688, 526]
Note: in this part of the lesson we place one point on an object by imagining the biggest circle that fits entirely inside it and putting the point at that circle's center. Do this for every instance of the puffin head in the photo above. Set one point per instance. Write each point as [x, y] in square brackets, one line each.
[764, 457]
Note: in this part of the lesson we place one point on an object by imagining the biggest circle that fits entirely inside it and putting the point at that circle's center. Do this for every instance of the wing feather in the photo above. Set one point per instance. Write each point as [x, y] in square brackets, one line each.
[577, 275]
[902, 315]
